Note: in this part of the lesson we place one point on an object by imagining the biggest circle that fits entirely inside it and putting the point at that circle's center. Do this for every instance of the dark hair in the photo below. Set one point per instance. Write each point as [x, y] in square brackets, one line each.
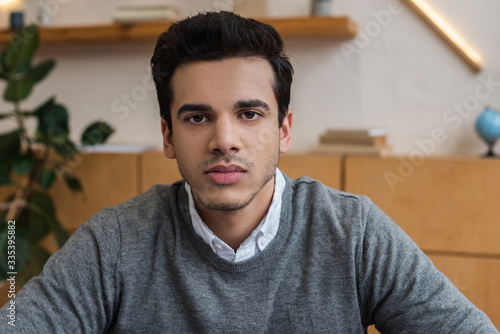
[217, 36]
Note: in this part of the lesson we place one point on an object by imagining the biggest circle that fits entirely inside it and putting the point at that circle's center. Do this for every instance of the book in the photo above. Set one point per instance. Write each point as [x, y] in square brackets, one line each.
[118, 148]
[372, 141]
[381, 151]
[356, 133]
[131, 14]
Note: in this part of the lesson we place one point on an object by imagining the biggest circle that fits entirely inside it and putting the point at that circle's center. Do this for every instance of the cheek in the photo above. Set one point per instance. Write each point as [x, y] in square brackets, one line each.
[267, 136]
[188, 145]
[262, 143]
[263, 138]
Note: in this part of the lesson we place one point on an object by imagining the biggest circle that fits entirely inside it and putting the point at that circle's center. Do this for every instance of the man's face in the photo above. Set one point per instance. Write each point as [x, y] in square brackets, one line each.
[225, 134]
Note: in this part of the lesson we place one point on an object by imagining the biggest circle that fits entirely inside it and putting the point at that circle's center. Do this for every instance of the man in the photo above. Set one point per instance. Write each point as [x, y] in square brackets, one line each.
[237, 247]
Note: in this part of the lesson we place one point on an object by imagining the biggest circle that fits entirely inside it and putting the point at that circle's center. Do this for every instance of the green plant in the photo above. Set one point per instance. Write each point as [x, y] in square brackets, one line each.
[29, 165]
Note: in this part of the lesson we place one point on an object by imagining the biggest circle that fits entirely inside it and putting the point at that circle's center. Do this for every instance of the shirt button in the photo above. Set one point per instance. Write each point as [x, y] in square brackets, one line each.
[263, 242]
[218, 246]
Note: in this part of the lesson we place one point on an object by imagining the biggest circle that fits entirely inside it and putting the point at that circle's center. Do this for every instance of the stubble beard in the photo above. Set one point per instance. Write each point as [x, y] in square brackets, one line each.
[228, 206]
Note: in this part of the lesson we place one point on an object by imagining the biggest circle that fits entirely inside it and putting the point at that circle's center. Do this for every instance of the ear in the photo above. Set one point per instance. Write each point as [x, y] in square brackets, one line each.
[286, 132]
[168, 141]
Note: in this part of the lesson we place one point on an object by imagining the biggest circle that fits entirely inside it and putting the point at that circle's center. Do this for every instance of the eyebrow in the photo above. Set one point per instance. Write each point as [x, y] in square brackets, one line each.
[241, 104]
[251, 104]
[193, 107]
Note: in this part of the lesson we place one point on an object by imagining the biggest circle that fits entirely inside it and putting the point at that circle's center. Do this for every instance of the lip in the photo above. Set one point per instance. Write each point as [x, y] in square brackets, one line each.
[229, 174]
[226, 169]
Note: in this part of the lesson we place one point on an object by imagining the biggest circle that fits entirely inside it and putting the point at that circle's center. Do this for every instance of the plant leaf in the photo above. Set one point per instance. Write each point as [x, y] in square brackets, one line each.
[53, 123]
[97, 133]
[18, 90]
[23, 164]
[9, 146]
[4, 212]
[41, 206]
[42, 202]
[16, 58]
[4, 174]
[27, 113]
[42, 70]
[36, 216]
[2, 116]
[46, 178]
[73, 183]
[22, 250]
[42, 109]
[35, 225]
[66, 150]
[37, 258]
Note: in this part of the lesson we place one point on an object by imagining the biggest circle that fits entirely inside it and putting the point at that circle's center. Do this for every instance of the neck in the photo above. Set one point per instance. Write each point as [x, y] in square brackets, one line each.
[234, 227]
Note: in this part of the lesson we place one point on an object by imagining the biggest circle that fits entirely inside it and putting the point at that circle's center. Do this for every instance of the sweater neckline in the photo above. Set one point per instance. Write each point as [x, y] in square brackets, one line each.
[274, 247]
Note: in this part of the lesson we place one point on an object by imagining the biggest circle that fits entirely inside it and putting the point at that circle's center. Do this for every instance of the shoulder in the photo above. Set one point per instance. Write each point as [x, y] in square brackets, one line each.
[318, 196]
[140, 215]
[345, 210]
[321, 212]
[157, 195]
[305, 184]
[158, 199]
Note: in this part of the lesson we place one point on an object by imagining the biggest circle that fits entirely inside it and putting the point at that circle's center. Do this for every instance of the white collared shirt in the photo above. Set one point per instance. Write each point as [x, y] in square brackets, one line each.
[260, 237]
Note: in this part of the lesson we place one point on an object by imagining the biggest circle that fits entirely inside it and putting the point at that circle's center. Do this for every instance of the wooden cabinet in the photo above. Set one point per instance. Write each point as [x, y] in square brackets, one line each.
[156, 168]
[107, 179]
[445, 205]
[324, 168]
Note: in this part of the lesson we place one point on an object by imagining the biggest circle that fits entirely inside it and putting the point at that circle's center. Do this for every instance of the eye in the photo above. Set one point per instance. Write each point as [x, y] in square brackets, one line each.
[250, 115]
[197, 119]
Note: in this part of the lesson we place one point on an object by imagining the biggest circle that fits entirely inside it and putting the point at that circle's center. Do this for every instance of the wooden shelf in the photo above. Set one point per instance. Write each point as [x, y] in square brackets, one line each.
[306, 27]
[310, 27]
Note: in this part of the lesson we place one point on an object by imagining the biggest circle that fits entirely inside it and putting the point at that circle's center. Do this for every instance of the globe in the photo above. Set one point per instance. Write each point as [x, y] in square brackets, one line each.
[488, 128]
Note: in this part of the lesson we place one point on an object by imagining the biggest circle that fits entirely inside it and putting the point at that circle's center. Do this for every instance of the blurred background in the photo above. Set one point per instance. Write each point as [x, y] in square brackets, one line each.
[396, 73]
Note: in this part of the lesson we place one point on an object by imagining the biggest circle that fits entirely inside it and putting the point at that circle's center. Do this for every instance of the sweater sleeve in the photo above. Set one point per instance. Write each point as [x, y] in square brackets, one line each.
[400, 289]
[76, 292]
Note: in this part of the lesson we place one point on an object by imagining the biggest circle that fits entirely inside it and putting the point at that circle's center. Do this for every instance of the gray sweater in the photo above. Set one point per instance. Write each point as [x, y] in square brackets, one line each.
[336, 265]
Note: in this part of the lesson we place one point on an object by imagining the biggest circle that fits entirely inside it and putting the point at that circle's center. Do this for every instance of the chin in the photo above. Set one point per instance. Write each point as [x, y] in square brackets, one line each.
[225, 204]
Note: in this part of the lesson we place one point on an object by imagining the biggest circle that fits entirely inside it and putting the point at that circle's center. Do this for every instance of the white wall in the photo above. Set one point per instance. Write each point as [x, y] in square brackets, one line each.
[402, 77]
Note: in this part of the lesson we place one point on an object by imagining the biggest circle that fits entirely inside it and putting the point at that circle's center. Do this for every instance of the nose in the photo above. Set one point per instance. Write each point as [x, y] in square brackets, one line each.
[225, 137]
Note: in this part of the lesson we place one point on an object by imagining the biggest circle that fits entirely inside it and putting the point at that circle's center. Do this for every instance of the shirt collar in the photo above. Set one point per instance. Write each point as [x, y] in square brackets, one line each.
[260, 237]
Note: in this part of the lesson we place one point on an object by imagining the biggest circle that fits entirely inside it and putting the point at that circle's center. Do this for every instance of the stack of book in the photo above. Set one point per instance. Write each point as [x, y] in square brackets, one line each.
[132, 14]
[371, 141]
